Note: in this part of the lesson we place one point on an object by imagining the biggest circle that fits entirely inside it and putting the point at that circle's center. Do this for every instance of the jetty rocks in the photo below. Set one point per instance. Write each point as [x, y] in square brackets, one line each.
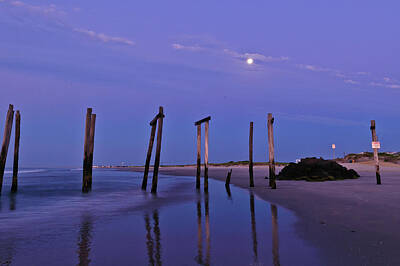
[314, 169]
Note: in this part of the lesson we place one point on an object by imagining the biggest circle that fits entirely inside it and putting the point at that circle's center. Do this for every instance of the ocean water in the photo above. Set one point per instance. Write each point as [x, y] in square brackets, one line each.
[50, 222]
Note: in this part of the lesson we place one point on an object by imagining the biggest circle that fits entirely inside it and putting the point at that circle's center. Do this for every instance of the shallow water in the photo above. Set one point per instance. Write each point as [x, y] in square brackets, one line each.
[50, 222]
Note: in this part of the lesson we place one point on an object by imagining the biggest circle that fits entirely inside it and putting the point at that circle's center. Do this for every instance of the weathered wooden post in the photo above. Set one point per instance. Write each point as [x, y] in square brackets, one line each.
[198, 125]
[14, 186]
[85, 181]
[91, 147]
[375, 146]
[6, 142]
[153, 125]
[251, 155]
[228, 178]
[272, 182]
[198, 172]
[206, 156]
[275, 235]
[158, 151]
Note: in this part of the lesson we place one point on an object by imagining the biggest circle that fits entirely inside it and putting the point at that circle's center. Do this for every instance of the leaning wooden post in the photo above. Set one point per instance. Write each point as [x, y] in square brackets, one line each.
[85, 181]
[206, 156]
[376, 158]
[153, 124]
[198, 172]
[158, 151]
[251, 155]
[272, 182]
[91, 148]
[14, 186]
[6, 142]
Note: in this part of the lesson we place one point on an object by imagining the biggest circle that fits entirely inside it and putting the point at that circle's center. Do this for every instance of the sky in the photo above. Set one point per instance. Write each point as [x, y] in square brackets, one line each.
[323, 68]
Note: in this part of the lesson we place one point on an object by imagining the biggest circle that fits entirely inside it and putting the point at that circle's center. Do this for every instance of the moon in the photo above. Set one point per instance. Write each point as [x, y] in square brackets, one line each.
[250, 61]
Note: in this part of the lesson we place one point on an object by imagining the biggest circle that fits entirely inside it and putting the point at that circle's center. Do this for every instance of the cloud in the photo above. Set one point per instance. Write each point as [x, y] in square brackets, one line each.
[44, 10]
[195, 48]
[104, 38]
[319, 119]
[385, 85]
[255, 56]
[350, 81]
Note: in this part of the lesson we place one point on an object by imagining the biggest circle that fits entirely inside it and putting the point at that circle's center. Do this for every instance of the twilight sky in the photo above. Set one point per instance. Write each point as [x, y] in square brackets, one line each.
[323, 68]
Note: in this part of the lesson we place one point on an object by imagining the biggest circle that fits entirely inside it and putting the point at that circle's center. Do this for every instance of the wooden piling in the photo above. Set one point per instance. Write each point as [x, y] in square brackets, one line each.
[158, 151]
[376, 158]
[251, 155]
[228, 178]
[91, 148]
[14, 186]
[85, 181]
[206, 156]
[272, 182]
[6, 142]
[148, 158]
[198, 172]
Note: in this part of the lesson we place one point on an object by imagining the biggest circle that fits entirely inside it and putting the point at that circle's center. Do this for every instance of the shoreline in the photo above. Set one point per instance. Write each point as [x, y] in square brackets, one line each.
[351, 222]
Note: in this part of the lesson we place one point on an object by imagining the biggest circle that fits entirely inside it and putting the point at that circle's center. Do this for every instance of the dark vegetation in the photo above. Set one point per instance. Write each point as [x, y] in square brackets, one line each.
[313, 169]
[393, 157]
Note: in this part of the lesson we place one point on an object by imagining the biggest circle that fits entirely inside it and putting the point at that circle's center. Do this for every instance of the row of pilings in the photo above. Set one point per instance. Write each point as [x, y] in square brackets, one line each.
[156, 125]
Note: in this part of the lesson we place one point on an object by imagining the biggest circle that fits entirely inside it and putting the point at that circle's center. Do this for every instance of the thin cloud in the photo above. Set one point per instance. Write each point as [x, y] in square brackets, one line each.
[319, 119]
[178, 46]
[350, 81]
[103, 37]
[385, 85]
[44, 10]
[255, 56]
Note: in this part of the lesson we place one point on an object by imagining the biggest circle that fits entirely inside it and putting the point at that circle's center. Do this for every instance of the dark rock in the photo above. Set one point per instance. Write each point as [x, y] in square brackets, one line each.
[313, 169]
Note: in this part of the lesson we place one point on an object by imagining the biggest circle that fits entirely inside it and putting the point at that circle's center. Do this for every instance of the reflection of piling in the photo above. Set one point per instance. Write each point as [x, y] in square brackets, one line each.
[85, 241]
[272, 182]
[157, 235]
[253, 228]
[6, 142]
[376, 158]
[149, 240]
[14, 186]
[153, 251]
[207, 214]
[251, 155]
[13, 202]
[199, 258]
[275, 235]
[158, 151]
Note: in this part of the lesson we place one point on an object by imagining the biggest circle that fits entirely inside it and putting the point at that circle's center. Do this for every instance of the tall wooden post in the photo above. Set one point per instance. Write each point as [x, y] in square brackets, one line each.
[91, 148]
[206, 157]
[14, 186]
[158, 151]
[376, 158]
[6, 142]
[148, 158]
[198, 157]
[272, 182]
[85, 181]
[251, 155]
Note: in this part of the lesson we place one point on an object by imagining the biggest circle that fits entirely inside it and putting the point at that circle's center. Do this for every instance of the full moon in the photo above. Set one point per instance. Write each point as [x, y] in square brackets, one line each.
[249, 61]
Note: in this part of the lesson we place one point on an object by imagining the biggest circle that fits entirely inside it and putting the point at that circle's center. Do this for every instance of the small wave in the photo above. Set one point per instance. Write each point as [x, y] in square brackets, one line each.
[76, 169]
[26, 171]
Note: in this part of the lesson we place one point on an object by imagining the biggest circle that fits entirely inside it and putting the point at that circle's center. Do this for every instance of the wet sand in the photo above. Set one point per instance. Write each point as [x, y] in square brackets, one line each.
[351, 222]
